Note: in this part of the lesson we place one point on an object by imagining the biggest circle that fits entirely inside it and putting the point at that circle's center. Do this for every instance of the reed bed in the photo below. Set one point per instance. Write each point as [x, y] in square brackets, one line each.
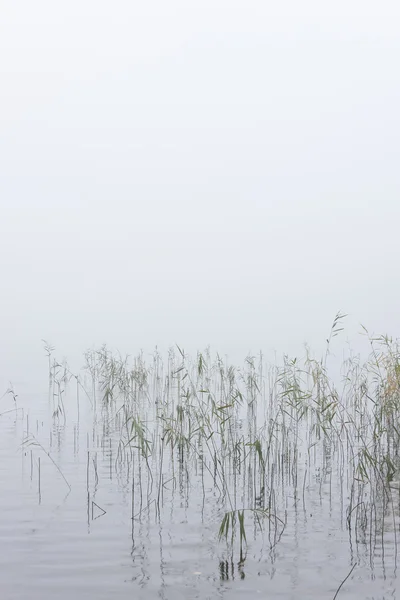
[255, 437]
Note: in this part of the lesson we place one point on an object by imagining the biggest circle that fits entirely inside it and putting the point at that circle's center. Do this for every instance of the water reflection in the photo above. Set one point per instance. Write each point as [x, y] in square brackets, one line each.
[215, 489]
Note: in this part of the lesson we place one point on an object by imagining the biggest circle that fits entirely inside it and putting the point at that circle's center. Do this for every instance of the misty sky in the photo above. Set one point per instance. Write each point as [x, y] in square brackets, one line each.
[214, 172]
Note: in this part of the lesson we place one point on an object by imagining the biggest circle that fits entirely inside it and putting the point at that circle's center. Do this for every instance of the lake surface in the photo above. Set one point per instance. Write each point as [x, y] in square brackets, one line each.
[97, 504]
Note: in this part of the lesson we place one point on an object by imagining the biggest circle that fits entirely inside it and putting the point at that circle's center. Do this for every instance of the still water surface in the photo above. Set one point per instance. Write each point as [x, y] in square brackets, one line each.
[82, 542]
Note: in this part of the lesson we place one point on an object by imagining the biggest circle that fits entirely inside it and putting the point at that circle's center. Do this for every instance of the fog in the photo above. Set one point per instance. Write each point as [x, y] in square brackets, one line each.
[212, 172]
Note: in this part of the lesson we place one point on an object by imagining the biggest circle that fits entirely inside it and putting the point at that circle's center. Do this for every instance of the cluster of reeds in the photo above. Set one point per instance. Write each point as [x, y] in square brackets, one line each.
[253, 435]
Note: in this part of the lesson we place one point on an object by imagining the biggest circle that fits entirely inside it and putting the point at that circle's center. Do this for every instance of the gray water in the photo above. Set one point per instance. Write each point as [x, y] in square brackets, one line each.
[82, 542]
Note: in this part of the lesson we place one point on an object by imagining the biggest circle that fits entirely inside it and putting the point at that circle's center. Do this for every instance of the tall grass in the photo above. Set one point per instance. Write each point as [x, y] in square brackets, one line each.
[254, 435]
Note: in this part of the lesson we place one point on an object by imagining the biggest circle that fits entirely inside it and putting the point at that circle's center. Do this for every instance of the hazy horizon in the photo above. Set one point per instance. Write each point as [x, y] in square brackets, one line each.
[216, 173]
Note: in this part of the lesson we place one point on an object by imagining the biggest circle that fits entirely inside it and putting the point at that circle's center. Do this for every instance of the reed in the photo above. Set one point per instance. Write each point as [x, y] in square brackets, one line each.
[254, 435]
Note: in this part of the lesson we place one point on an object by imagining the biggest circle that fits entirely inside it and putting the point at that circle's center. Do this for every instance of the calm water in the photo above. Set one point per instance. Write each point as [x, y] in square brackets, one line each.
[82, 542]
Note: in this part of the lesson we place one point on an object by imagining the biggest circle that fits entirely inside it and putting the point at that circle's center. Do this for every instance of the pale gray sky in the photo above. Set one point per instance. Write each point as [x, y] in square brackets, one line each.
[222, 172]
